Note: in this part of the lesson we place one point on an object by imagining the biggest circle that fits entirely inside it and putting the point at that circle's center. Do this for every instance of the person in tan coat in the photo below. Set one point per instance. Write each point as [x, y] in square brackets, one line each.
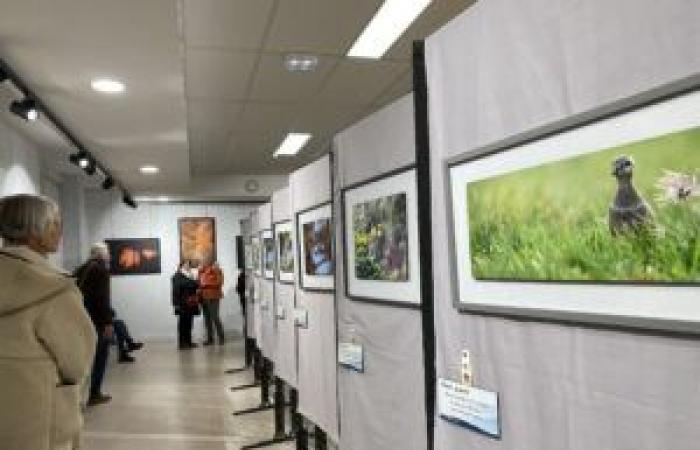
[47, 338]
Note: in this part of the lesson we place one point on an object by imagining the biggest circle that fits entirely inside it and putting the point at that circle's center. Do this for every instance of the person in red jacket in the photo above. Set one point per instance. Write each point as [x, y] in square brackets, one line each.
[211, 281]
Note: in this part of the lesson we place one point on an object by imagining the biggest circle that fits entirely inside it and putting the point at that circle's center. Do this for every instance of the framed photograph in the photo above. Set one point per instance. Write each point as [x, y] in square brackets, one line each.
[315, 248]
[248, 249]
[381, 239]
[268, 253]
[197, 239]
[285, 252]
[255, 255]
[609, 207]
[134, 256]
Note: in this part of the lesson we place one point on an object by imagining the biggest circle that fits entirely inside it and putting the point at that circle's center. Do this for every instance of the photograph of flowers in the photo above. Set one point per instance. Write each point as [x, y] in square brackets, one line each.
[381, 239]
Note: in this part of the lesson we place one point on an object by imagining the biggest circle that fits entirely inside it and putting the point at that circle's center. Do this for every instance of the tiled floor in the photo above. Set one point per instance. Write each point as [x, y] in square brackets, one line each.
[177, 400]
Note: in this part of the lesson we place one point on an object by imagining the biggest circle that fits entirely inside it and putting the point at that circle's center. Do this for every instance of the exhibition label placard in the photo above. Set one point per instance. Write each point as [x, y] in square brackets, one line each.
[469, 406]
[351, 355]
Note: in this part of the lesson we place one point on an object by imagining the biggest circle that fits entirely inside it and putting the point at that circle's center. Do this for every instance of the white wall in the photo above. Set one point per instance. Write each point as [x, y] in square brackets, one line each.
[19, 163]
[144, 301]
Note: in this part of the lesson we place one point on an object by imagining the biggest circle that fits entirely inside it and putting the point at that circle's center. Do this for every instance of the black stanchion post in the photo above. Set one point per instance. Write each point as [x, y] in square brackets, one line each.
[302, 435]
[264, 383]
[280, 408]
[320, 439]
[296, 420]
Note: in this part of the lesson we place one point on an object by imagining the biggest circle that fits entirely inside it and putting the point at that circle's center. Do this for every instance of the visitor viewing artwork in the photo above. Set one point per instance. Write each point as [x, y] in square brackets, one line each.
[197, 239]
[381, 239]
[316, 259]
[134, 256]
[285, 251]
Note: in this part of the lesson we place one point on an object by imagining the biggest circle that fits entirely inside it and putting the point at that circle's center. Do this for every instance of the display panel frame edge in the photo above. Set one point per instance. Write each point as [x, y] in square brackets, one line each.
[635, 324]
[346, 268]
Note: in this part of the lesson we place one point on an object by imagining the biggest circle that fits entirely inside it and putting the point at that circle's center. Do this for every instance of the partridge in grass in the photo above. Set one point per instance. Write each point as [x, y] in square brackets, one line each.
[629, 211]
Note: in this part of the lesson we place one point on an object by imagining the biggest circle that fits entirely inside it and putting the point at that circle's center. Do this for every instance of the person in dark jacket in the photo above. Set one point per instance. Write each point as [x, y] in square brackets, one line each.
[93, 281]
[185, 302]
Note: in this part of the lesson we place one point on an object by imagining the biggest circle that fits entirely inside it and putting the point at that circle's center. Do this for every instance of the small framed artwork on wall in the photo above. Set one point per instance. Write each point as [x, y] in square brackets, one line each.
[315, 248]
[380, 229]
[268, 253]
[255, 255]
[285, 252]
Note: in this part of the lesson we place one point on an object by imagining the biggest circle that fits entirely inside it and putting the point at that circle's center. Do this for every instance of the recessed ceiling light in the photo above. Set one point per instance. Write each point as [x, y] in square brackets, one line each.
[149, 170]
[292, 144]
[300, 63]
[107, 86]
[390, 22]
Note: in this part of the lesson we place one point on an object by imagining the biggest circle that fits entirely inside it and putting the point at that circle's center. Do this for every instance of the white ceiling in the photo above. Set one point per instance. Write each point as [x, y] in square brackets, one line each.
[207, 92]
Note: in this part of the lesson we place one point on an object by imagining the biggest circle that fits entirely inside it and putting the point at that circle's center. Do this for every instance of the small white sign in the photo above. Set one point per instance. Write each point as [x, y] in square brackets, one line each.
[281, 313]
[469, 406]
[352, 356]
[301, 318]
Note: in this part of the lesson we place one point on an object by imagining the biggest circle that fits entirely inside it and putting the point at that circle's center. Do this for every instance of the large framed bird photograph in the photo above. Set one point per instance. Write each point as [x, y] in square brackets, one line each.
[610, 205]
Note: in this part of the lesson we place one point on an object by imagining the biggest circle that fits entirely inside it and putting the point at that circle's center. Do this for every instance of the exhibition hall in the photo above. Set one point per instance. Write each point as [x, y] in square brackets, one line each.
[350, 224]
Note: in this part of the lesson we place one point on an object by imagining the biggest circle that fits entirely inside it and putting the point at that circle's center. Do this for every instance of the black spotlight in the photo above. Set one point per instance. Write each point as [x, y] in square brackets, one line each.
[26, 109]
[91, 167]
[108, 183]
[128, 201]
[80, 159]
[3, 75]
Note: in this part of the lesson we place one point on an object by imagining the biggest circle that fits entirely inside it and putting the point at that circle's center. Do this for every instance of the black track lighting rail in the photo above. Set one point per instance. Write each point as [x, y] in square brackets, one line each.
[7, 73]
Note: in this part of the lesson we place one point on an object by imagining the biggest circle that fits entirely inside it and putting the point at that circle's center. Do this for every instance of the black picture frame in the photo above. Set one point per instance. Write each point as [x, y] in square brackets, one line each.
[637, 324]
[277, 251]
[343, 191]
[300, 253]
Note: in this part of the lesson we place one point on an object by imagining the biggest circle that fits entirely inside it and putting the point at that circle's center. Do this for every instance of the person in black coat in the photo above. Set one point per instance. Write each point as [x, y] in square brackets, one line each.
[93, 280]
[186, 304]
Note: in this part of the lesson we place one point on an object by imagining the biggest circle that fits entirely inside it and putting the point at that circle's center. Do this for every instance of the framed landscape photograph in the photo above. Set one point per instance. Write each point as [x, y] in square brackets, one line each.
[268, 253]
[256, 255]
[134, 256]
[197, 239]
[611, 208]
[381, 239]
[285, 252]
[248, 249]
[315, 248]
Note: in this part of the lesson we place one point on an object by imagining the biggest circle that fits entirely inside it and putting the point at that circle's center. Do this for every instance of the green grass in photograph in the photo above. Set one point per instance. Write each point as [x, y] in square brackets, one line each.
[551, 222]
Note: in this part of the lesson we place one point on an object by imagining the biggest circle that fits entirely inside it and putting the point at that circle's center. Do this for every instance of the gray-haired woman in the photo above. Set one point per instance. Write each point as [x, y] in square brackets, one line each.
[47, 338]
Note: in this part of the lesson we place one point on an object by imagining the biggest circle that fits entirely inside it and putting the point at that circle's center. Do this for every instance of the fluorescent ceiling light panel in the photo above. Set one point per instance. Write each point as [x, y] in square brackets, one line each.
[390, 22]
[107, 86]
[292, 144]
[149, 170]
[300, 63]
